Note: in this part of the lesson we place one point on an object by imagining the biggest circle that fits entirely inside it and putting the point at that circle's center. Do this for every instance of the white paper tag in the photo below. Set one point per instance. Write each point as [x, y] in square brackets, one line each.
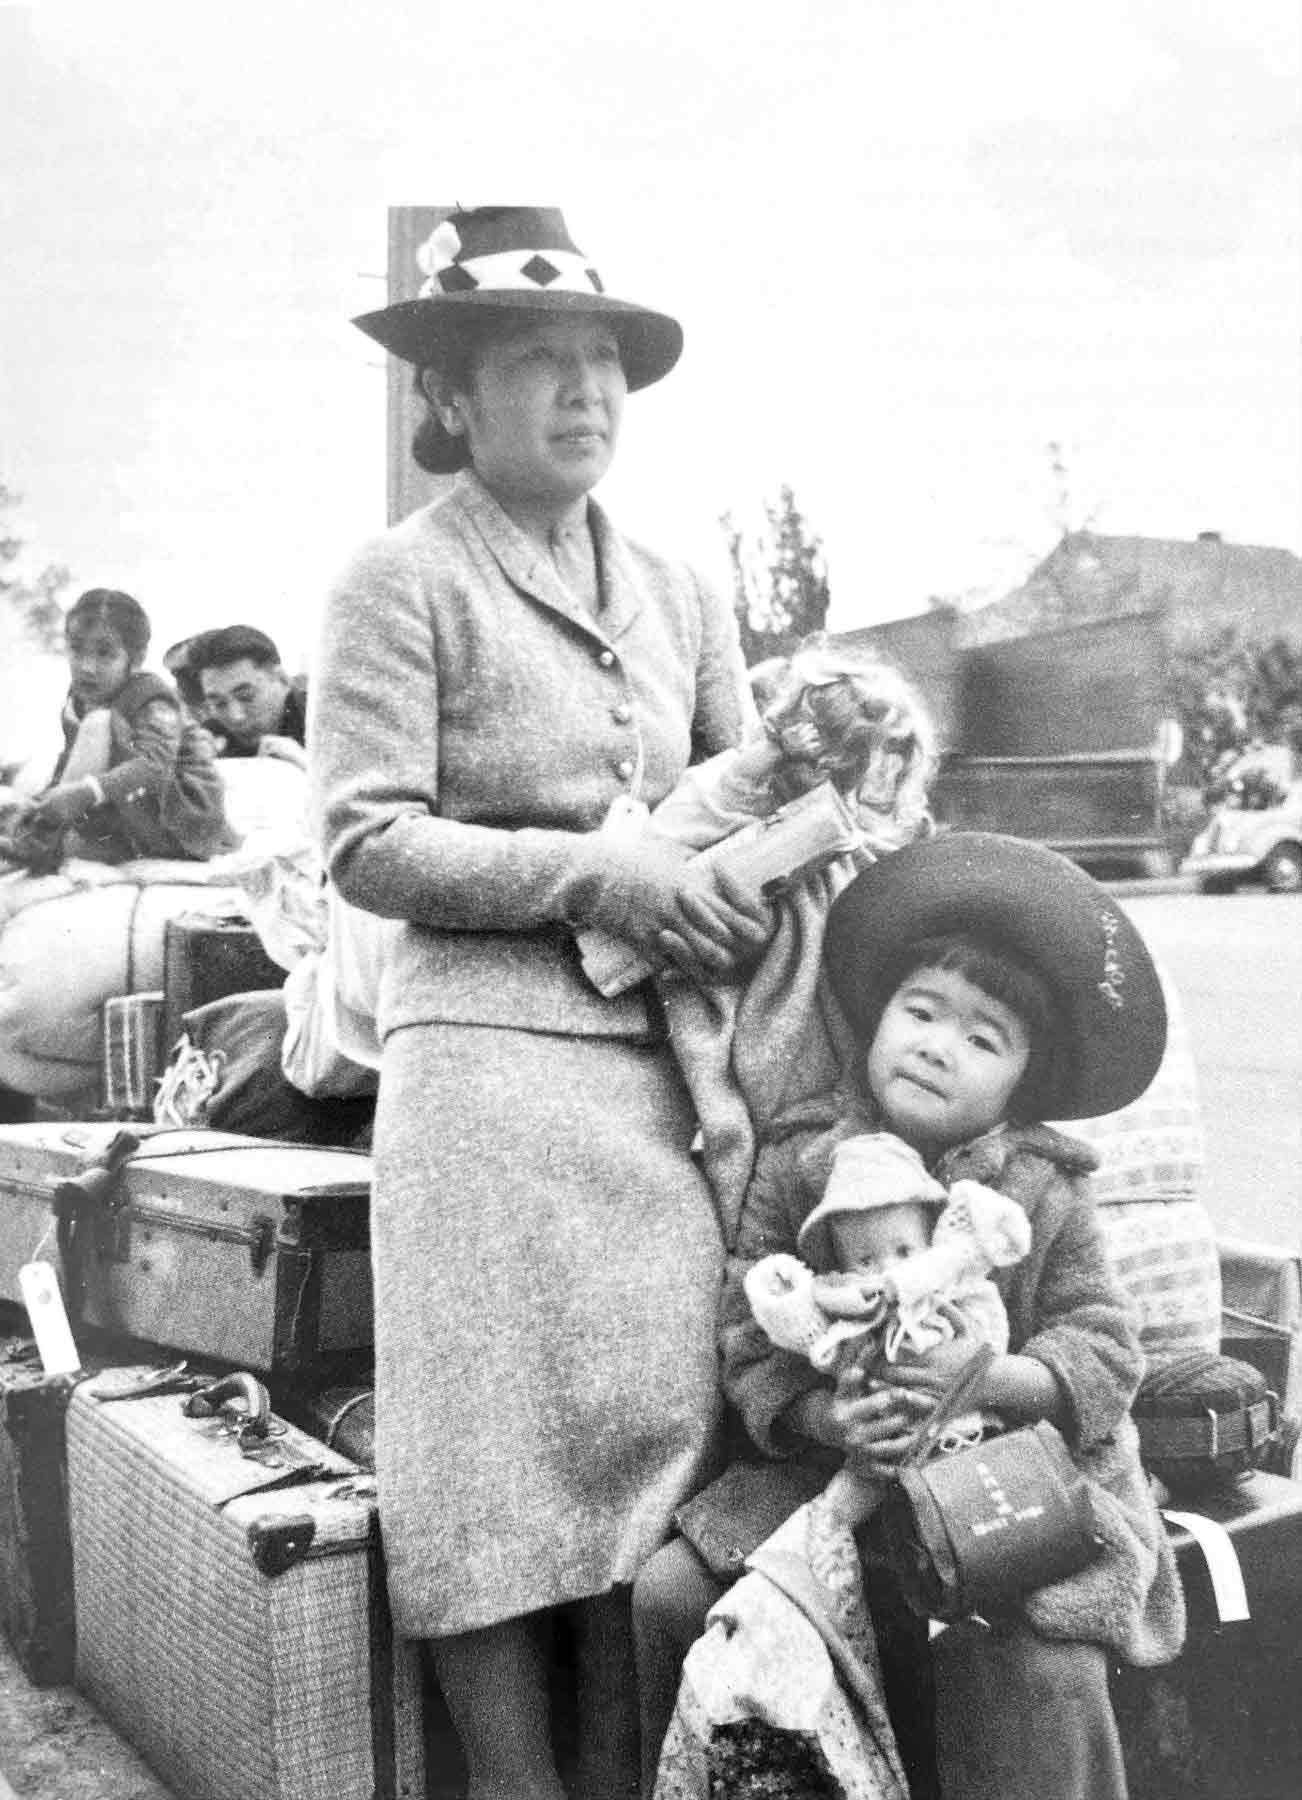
[1222, 1560]
[39, 1286]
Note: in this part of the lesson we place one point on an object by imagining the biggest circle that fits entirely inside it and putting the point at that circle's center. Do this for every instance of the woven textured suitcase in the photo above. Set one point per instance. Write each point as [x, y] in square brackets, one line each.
[248, 1251]
[35, 1549]
[207, 956]
[231, 1616]
[1223, 1721]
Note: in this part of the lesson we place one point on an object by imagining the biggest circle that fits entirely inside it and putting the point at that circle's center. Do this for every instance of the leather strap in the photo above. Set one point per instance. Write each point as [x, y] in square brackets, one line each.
[1209, 1435]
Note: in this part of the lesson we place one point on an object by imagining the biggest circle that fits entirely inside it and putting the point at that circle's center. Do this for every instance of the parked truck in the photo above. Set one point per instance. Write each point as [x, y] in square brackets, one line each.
[1058, 735]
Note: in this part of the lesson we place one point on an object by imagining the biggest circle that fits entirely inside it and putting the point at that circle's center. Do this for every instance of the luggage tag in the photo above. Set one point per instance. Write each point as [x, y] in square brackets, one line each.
[39, 1286]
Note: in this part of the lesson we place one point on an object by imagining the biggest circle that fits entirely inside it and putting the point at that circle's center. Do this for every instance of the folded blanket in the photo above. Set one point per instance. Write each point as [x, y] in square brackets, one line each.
[749, 1049]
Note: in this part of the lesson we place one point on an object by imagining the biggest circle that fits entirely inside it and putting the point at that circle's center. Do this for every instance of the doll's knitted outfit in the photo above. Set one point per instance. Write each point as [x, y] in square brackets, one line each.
[896, 1308]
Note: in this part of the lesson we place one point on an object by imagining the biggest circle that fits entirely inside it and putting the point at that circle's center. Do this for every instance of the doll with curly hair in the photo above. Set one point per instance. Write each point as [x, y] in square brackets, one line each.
[832, 712]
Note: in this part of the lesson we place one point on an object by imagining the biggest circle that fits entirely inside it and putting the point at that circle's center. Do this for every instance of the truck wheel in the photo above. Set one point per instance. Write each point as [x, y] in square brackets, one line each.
[1282, 869]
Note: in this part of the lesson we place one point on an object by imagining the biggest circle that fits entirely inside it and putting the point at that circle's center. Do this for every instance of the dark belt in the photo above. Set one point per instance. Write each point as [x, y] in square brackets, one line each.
[1208, 1435]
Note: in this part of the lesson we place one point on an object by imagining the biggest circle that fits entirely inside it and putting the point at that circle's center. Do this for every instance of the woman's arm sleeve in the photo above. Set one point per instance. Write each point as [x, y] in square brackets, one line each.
[760, 1379]
[373, 756]
[156, 732]
[1085, 1330]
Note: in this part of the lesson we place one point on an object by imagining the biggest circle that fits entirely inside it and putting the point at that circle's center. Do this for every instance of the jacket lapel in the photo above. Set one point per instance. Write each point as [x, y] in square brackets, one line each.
[622, 589]
[531, 572]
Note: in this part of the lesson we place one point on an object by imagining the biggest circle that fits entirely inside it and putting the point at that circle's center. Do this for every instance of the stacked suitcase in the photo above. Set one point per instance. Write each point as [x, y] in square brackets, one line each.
[213, 1579]
[252, 1658]
[209, 1574]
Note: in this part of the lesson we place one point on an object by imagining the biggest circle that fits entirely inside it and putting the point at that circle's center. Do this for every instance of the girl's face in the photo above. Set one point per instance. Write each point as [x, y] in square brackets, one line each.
[543, 416]
[98, 663]
[945, 1061]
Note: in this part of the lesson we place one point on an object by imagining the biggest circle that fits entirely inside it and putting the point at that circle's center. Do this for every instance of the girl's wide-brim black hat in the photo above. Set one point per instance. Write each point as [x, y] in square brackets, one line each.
[1017, 895]
[504, 261]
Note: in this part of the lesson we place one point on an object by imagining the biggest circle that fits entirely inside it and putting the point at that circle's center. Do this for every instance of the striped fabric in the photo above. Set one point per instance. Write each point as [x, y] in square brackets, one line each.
[1158, 1232]
[1152, 1149]
[1165, 1256]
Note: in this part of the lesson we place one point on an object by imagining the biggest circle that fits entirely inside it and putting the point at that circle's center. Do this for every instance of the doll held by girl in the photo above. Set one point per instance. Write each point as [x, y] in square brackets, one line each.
[895, 1265]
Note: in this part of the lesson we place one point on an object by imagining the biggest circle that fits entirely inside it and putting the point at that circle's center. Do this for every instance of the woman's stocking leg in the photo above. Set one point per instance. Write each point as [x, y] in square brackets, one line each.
[607, 1767]
[495, 1684]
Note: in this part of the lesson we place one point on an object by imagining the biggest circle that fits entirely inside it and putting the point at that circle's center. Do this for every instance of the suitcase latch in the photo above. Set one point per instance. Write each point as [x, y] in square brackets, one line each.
[262, 1241]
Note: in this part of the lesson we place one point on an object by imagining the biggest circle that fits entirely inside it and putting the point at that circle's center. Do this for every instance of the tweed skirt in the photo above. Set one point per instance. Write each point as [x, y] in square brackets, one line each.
[547, 1263]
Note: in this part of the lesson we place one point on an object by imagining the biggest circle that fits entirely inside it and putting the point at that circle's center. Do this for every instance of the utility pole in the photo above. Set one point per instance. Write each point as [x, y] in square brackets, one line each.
[406, 486]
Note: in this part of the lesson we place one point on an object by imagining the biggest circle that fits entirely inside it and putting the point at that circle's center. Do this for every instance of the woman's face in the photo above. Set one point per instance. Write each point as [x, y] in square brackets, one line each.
[543, 414]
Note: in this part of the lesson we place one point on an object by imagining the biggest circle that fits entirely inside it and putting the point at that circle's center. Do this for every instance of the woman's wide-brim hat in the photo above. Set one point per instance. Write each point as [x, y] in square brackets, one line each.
[515, 260]
[1017, 895]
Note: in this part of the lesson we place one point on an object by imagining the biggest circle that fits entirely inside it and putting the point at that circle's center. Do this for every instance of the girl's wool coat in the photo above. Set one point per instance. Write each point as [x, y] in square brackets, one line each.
[1064, 1308]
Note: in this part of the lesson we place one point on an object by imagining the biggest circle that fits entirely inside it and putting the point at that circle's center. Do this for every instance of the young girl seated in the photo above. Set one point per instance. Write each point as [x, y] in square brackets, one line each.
[137, 778]
[988, 984]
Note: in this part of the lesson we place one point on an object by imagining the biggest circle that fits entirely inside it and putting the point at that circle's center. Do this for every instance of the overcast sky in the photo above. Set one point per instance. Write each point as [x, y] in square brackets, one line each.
[911, 243]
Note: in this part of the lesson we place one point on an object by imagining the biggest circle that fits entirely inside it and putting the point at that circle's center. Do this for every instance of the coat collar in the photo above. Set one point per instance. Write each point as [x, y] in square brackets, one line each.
[528, 569]
[826, 1119]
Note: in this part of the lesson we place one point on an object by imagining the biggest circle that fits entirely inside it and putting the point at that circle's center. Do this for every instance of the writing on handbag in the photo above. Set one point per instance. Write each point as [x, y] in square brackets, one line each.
[1005, 1513]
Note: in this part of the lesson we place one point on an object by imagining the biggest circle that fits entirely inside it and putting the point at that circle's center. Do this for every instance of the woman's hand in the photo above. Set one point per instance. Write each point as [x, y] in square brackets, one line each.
[672, 908]
[723, 923]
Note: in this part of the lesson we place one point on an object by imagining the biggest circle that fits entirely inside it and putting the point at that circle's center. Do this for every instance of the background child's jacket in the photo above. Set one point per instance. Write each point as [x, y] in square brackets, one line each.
[163, 793]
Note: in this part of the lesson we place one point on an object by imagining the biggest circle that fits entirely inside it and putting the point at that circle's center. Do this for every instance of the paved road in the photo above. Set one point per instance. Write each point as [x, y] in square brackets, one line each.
[1236, 961]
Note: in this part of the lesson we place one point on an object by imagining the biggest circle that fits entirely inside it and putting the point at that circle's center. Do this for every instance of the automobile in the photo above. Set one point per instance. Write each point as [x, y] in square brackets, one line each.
[1251, 842]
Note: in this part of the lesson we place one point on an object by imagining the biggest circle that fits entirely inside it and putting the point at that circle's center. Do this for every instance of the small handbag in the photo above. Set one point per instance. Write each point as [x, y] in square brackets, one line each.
[971, 1530]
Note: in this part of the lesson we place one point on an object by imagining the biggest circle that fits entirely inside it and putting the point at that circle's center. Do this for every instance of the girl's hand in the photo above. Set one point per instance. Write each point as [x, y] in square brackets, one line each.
[876, 1424]
[932, 1372]
[65, 804]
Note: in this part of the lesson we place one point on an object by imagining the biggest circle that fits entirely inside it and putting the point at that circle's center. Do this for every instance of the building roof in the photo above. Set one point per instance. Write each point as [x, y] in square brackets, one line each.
[1201, 584]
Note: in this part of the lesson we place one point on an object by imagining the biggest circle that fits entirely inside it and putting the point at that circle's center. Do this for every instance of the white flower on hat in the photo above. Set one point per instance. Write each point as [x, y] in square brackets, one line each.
[441, 247]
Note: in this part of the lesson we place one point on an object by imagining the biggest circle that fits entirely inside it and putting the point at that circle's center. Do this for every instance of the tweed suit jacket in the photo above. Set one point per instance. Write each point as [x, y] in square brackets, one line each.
[470, 724]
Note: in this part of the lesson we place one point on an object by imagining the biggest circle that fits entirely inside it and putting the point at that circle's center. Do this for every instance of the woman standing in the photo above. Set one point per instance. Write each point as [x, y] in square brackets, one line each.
[497, 670]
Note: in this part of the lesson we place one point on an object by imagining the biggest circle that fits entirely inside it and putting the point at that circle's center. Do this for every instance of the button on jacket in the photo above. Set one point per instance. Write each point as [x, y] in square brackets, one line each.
[461, 687]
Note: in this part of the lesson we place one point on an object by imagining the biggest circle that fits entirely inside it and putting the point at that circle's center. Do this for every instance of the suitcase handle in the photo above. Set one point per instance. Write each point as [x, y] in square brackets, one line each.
[250, 1421]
